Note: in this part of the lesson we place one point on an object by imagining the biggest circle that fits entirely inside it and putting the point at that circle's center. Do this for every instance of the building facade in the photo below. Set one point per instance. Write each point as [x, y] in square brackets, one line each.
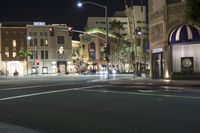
[140, 19]
[92, 53]
[115, 41]
[164, 16]
[51, 48]
[13, 37]
[77, 60]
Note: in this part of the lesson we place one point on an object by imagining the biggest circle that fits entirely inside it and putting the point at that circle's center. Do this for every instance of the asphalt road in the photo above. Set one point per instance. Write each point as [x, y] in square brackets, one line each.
[81, 104]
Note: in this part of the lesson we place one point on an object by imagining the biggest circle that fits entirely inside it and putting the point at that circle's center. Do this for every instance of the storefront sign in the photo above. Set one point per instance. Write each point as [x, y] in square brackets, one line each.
[157, 50]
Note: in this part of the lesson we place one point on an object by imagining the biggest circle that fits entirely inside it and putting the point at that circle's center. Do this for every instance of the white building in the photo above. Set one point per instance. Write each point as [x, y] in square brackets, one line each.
[139, 14]
[51, 46]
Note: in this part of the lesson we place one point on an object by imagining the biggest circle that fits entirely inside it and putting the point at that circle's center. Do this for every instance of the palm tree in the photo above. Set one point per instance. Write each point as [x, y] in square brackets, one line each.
[24, 53]
[193, 11]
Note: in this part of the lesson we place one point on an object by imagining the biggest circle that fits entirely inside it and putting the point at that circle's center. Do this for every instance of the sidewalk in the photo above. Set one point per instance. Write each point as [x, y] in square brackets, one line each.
[119, 79]
[156, 82]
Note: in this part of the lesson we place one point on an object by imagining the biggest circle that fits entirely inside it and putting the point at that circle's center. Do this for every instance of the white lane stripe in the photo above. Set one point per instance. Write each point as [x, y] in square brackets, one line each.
[144, 91]
[36, 86]
[143, 94]
[49, 92]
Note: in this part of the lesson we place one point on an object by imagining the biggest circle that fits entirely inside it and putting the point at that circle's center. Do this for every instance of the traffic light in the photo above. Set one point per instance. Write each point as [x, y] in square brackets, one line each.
[51, 30]
[37, 62]
[107, 52]
[107, 49]
[70, 31]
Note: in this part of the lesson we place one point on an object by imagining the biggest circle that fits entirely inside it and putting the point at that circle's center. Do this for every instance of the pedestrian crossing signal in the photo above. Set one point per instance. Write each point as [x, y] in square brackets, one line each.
[37, 62]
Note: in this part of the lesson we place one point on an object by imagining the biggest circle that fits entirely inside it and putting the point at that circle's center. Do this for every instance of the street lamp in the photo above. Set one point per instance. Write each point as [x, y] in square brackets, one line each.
[106, 25]
[30, 40]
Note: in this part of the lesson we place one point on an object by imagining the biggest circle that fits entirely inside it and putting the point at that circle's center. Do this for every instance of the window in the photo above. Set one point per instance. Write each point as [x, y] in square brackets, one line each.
[35, 42]
[42, 54]
[30, 33]
[46, 33]
[31, 42]
[6, 42]
[35, 33]
[35, 54]
[41, 42]
[46, 54]
[14, 54]
[31, 57]
[7, 54]
[41, 33]
[14, 43]
[7, 49]
[60, 40]
[46, 42]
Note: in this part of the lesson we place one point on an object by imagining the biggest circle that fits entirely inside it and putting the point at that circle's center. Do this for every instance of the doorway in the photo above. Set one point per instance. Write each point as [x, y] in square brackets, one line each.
[157, 65]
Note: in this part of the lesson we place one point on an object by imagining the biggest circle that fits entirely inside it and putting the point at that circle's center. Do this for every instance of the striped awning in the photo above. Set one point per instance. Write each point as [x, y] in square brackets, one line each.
[184, 34]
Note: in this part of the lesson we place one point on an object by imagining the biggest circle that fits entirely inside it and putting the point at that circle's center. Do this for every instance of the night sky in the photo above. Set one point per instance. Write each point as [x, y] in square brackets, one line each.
[57, 11]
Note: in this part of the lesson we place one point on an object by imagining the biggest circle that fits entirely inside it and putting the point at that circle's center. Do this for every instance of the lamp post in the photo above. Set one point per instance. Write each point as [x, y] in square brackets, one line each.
[106, 26]
[34, 53]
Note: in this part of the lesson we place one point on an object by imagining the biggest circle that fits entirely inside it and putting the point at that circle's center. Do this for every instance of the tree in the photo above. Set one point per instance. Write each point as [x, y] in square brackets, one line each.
[24, 53]
[124, 55]
[193, 11]
[116, 27]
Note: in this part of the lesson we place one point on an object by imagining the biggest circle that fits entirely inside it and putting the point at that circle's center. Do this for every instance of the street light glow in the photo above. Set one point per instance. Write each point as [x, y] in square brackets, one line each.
[29, 37]
[139, 33]
[79, 4]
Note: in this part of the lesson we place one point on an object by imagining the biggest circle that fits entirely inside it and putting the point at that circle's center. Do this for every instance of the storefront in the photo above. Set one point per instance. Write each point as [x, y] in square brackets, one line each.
[184, 42]
[14, 68]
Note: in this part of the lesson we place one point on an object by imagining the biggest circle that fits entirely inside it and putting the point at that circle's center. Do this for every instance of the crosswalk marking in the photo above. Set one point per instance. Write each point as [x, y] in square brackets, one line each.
[49, 92]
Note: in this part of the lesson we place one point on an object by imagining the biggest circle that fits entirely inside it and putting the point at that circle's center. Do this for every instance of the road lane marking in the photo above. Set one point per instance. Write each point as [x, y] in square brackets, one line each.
[49, 92]
[143, 94]
[35, 86]
[146, 91]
